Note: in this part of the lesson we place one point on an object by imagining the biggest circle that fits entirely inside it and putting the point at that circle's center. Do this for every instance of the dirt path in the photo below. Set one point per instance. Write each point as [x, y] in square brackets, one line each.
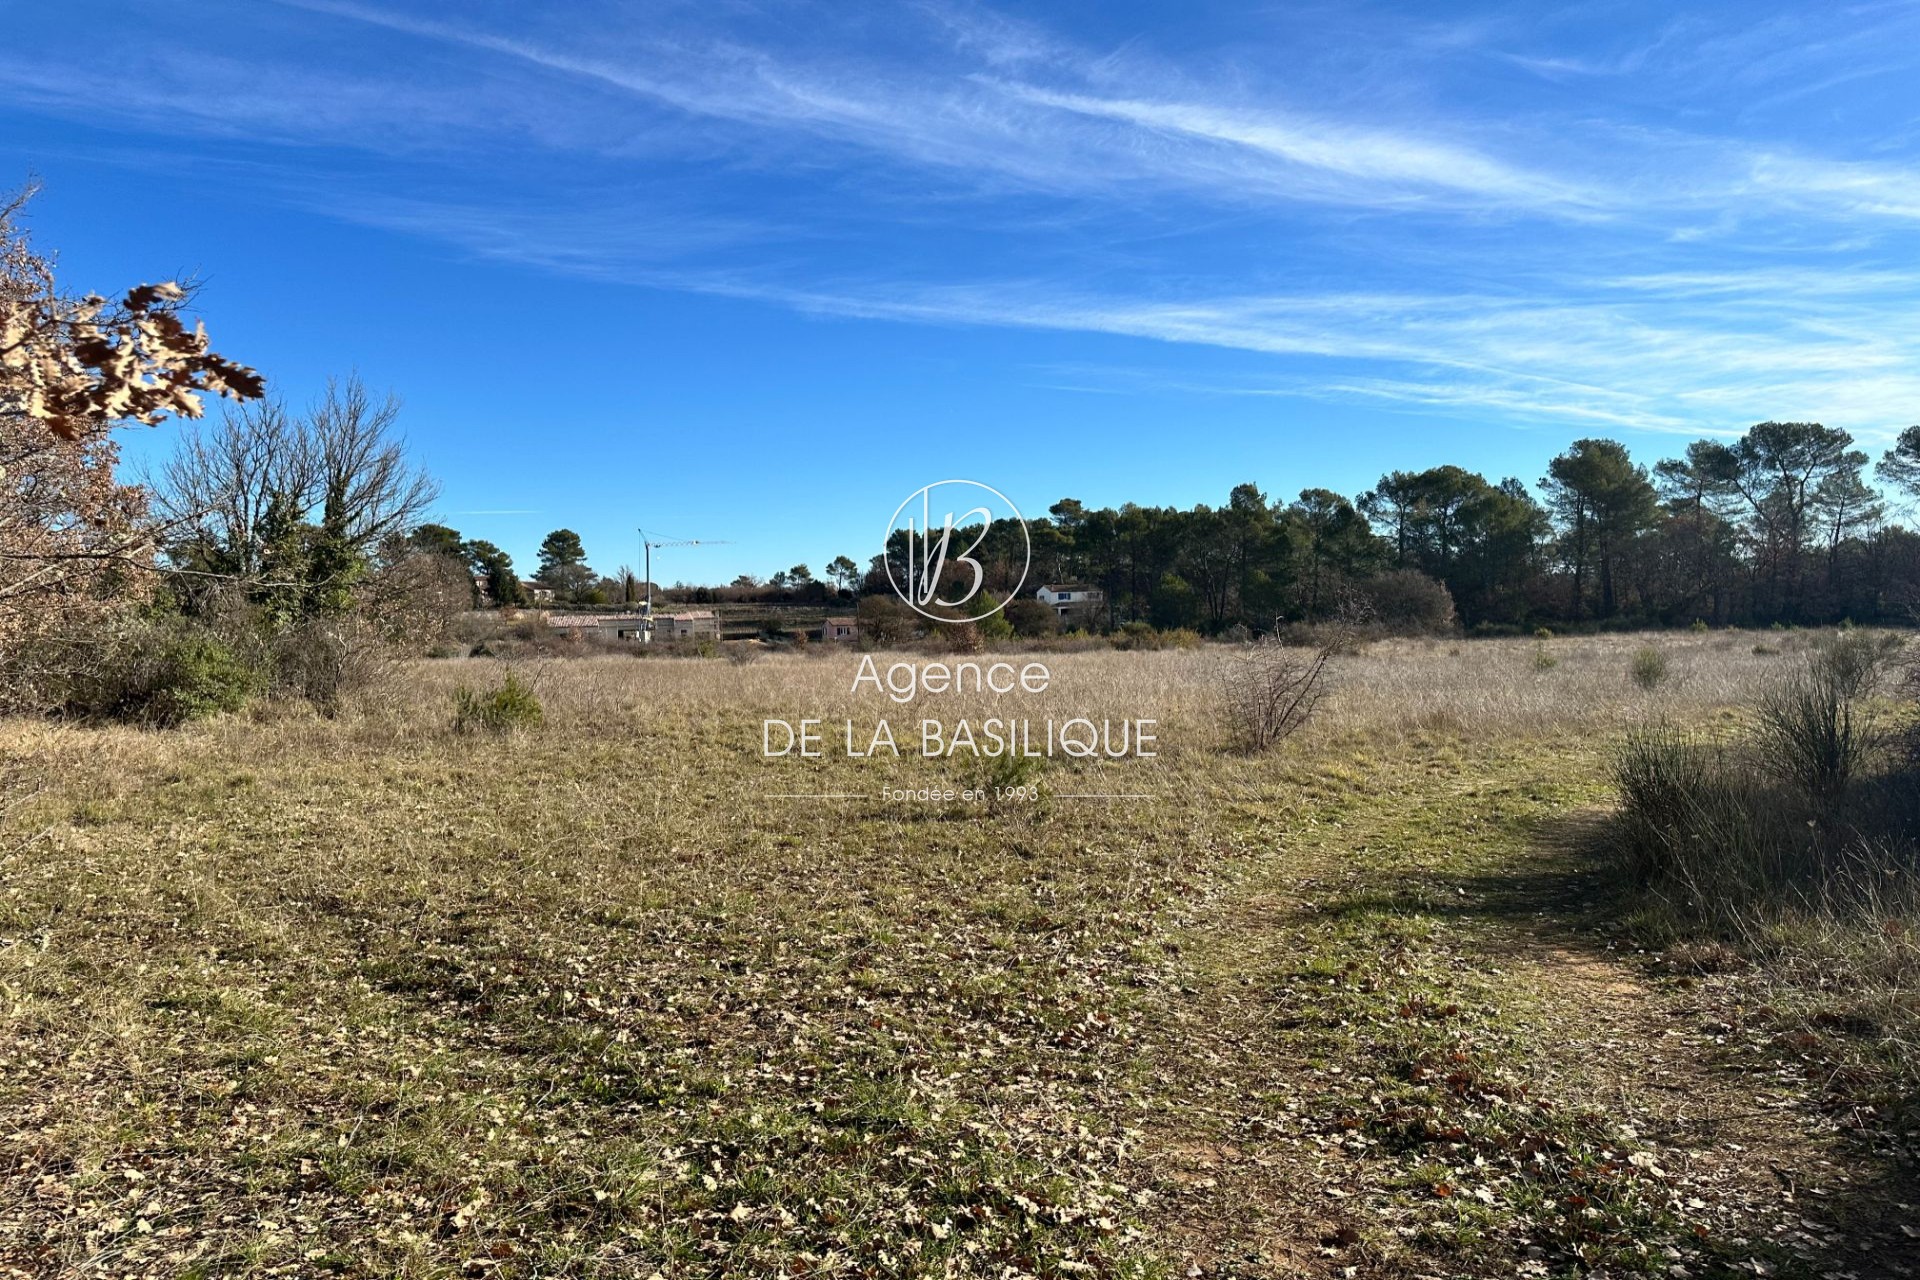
[1406, 1049]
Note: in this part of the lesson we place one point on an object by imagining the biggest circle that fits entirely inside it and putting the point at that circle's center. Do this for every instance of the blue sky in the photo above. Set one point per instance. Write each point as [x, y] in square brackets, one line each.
[757, 271]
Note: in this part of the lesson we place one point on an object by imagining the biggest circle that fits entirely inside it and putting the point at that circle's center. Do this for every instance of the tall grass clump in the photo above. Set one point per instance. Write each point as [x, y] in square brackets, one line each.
[1701, 829]
[1648, 667]
[1818, 727]
[1812, 735]
[1797, 845]
[512, 706]
[1722, 828]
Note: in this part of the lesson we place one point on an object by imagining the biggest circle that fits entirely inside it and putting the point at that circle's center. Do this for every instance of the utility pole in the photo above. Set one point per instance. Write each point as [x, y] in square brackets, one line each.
[646, 556]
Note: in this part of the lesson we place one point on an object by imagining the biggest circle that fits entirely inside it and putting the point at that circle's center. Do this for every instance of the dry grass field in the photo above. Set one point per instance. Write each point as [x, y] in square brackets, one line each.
[608, 996]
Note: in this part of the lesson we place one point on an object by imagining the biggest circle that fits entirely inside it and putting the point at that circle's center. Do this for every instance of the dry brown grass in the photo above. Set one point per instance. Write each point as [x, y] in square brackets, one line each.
[282, 994]
[1391, 690]
[1474, 688]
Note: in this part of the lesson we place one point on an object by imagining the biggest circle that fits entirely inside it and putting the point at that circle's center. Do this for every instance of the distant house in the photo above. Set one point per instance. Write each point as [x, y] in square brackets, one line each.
[536, 593]
[1075, 603]
[634, 626]
[687, 626]
[840, 629]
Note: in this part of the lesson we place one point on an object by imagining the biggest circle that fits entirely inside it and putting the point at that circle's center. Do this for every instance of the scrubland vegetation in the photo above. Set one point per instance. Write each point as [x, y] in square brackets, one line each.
[1403, 955]
[434, 986]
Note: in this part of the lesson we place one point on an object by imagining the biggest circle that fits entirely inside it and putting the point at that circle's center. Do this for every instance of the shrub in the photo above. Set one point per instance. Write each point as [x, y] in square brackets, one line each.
[323, 659]
[1542, 660]
[511, 706]
[1699, 624]
[995, 626]
[884, 621]
[1856, 660]
[1029, 617]
[1272, 690]
[960, 637]
[164, 673]
[1141, 635]
[1648, 668]
[1408, 602]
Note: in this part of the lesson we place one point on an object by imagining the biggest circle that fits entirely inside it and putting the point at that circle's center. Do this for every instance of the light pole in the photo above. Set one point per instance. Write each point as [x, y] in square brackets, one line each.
[646, 557]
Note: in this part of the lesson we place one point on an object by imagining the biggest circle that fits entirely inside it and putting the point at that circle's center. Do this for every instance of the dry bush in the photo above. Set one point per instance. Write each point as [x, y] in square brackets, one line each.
[325, 660]
[1272, 690]
[416, 600]
[884, 621]
[72, 540]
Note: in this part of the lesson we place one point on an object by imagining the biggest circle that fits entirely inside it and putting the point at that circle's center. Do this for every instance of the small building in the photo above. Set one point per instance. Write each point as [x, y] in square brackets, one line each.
[691, 625]
[625, 626]
[535, 593]
[1074, 603]
[847, 629]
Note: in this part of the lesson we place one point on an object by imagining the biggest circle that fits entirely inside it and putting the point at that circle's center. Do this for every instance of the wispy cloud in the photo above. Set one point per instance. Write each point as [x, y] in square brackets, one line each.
[1014, 130]
[1851, 188]
[1620, 232]
[1387, 161]
[1669, 361]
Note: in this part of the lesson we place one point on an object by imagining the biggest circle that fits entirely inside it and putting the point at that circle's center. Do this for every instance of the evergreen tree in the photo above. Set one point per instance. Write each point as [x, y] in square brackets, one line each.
[563, 565]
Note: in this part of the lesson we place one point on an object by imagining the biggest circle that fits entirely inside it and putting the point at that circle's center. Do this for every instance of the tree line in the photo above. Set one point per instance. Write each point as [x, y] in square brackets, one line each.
[1779, 525]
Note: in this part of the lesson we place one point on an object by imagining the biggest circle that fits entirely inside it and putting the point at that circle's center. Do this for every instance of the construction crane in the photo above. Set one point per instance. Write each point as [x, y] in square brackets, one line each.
[647, 545]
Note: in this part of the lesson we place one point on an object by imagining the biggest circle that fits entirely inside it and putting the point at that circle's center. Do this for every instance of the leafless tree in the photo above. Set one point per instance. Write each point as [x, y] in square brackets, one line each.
[360, 471]
[342, 462]
[221, 482]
